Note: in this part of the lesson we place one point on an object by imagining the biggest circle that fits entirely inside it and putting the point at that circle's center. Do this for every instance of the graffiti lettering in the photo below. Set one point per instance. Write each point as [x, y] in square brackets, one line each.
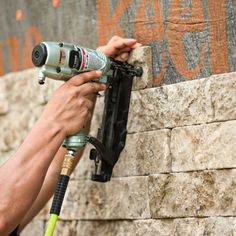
[111, 24]
[184, 18]
[147, 30]
[32, 37]
[1, 59]
[186, 34]
[218, 37]
[151, 29]
[177, 27]
[12, 44]
[14, 54]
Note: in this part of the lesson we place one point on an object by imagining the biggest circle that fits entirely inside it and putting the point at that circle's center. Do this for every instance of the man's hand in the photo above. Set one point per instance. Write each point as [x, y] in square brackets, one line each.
[119, 48]
[71, 107]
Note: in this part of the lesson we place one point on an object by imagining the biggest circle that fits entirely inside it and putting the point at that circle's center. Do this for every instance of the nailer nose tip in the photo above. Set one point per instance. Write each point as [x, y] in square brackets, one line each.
[138, 71]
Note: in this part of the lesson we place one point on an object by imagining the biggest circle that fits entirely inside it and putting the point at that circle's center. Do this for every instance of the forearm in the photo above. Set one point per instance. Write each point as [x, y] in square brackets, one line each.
[48, 186]
[50, 181]
[23, 174]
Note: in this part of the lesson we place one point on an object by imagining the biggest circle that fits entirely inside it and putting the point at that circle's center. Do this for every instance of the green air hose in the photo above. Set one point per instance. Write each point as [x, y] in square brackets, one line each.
[59, 194]
[51, 225]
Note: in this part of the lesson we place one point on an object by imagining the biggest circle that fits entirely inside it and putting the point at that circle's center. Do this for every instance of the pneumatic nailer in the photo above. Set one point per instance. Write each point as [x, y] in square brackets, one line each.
[61, 61]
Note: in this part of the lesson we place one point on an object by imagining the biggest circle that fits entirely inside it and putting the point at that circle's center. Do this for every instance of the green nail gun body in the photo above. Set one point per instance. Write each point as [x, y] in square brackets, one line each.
[61, 61]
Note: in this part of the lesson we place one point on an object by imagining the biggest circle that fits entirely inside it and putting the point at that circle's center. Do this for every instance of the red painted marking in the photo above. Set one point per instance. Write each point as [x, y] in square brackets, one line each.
[218, 37]
[2, 71]
[32, 37]
[112, 22]
[55, 3]
[13, 45]
[19, 15]
[177, 26]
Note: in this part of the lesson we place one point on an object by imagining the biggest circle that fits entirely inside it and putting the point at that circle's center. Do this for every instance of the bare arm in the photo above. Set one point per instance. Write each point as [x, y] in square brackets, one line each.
[23, 174]
[49, 184]
[19, 183]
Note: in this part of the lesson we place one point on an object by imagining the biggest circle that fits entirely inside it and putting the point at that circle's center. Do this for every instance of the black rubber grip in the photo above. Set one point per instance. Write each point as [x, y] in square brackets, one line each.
[59, 194]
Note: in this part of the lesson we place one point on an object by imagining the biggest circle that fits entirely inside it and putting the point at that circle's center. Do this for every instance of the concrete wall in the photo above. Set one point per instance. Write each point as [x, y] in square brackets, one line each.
[25, 23]
[190, 39]
[176, 175]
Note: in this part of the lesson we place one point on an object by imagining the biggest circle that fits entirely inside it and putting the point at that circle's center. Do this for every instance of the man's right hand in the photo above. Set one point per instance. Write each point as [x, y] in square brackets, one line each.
[71, 105]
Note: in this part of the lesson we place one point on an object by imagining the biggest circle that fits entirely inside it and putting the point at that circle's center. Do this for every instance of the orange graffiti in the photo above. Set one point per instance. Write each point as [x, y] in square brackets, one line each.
[55, 3]
[158, 78]
[107, 24]
[148, 30]
[1, 60]
[176, 28]
[146, 22]
[19, 15]
[32, 37]
[14, 53]
[218, 37]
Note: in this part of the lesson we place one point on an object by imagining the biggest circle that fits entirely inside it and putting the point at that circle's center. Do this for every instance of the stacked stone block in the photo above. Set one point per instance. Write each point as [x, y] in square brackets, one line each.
[176, 175]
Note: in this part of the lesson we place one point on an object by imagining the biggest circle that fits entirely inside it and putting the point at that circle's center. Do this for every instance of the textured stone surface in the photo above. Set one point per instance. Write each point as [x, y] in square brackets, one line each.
[208, 146]
[170, 106]
[145, 153]
[13, 129]
[15, 126]
[142, 57]
[115, 228]
[36, 227]
[193, 102]
[212, 226]
[223, 90]
[85, 167]
[23, 90]
[127, 228]
[206, 193]
[67, 228]
[121, 198]
[4, 107]
[21, 102]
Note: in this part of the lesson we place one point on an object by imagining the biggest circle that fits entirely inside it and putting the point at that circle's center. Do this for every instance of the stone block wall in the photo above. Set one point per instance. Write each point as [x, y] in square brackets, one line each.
[176, 175]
